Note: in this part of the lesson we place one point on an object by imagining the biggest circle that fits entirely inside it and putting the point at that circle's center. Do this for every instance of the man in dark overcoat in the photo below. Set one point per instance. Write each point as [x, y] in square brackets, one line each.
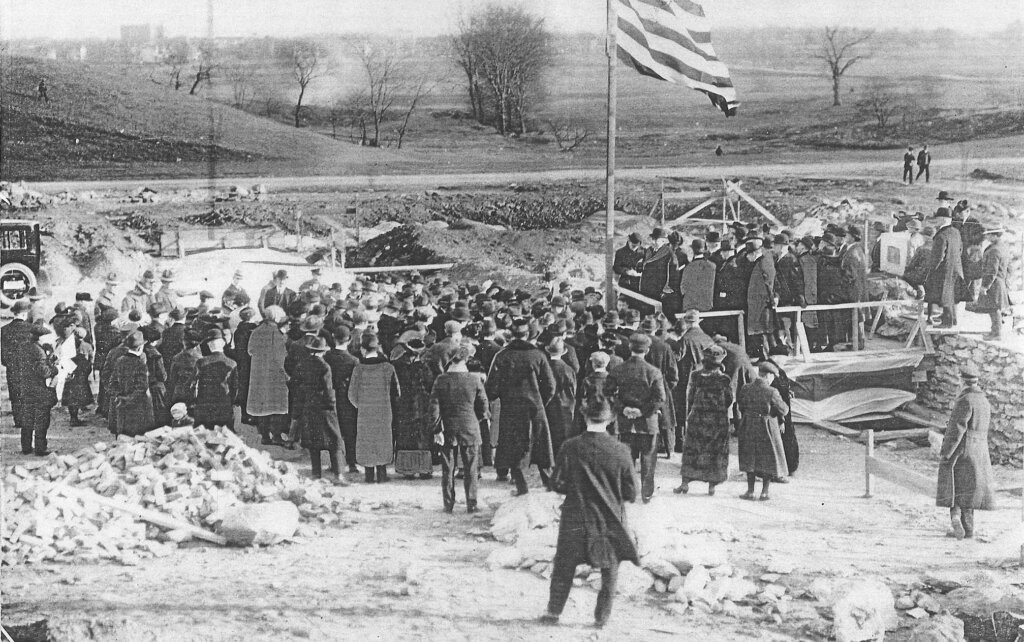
[522, 380]
[809, 273]
[342, 363]
[697, 280]
[37, 398]
[182, 373]
[945, 268]
[595, 474]
[13, 337]
[637, 390]
[761, 297]
[662, 357]
[853, 263]
[216, 384]
[659, 264]
[319, 421]
[627, 262]
[965, 470]
[993, 297]
[789, 285]
[129, 387]
[731, 284]
[559, 410]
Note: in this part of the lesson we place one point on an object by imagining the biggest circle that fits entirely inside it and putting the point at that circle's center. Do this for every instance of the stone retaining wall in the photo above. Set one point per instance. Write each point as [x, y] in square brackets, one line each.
[1002, 379]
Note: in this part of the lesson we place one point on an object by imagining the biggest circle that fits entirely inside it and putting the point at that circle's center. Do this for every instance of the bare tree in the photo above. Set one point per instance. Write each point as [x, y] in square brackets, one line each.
[881, 103]
[178, 56]
[464, 52]
[204, 66]
[241, 76]
[568, 136]
[508, 50]
[381, 67]
[418, 92]
[839, 51]
[306, 58]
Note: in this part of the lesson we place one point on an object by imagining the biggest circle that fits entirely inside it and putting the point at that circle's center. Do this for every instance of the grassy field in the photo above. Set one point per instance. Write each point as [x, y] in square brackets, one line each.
[108, 121]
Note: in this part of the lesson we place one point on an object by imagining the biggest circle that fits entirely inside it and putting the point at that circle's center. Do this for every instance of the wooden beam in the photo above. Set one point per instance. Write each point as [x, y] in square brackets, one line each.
[401, 268]
[920, 421]
[901, 476]
[737, 190]
[693, 210]
[636, 296]
[836, 428]
[689, 196]
[892, 435]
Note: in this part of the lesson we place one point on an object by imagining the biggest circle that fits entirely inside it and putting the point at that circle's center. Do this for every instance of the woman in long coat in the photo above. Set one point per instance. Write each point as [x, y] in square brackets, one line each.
[129, 386]
[268, 382]
[107, 337]
[706, 441]
[760, 293]
[965, 472]
[240, 353]
[411, 414]
[374, 390]
[320, 429]
[761, 452]
[993, 298]
[157, 377]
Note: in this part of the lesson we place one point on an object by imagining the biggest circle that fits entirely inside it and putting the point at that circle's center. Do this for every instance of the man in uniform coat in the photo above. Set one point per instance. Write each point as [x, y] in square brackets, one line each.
[993, 297]
[37, 398]
[627, 260]
[945, 268]
[129, 387]
[638, 393]
[661, 357]
[697, 280]
[965, 471]
[595, 474]
[789, 285]
[13, 337]
[761, 297]
[522, 380]
[216, 385]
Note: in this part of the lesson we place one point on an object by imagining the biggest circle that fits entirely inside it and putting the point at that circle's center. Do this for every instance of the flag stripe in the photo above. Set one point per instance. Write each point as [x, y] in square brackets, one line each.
[648, 23]
[670, 40]
[674, 63]
[696, 24]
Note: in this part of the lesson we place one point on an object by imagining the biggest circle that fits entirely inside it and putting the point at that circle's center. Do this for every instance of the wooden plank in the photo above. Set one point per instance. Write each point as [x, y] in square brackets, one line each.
[639, 297]
[693, 210]
[892, 435]
[920, 421]
[736, 189]
[690, 196]
[145, 514]
[901, 476]
[836, 428]
[401, 268]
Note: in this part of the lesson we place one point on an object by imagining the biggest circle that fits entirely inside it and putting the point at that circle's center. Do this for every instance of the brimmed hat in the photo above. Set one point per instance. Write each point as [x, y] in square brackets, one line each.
[634, 238]
[658, 233]
[913, 224]
[767, 367]
[715, 354]
[311, 324]
[854, 232]
[753, 242]
[648, 325]
[315, 344]
[713, 237]
[969, 371]
[460, 314]
[167, 276]
[213, 334]
[691, 316]
[238, 275]
[134, 340]
[281, 274]
[943, 196]
[942, 212]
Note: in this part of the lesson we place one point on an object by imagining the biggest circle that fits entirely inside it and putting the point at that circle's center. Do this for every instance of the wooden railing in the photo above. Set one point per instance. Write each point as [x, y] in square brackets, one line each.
[875, 467]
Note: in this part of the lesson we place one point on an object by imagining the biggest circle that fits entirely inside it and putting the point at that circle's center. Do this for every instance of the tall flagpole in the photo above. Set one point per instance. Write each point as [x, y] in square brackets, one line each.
[609, 258]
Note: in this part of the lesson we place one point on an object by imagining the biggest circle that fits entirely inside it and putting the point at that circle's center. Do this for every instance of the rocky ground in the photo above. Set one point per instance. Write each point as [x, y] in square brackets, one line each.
[402, 566]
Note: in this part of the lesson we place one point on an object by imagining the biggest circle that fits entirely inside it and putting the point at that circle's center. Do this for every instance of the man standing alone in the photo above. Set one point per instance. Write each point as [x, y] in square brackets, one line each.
[924, 163]
[595, 474]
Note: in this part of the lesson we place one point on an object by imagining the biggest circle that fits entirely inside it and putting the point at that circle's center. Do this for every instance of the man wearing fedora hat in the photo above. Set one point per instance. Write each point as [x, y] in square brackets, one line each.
[276, 293]
[924, 164]
[993, 298]
[107, 298]
[216, 384]
[965, 470]
[627, 262]
[854, 265]
[318, 407]
[945, 268]
[141, 296]
[697, 280]
[234, 289]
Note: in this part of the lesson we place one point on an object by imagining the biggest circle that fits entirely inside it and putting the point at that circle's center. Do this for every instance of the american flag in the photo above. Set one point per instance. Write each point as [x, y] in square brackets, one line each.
[670, 40]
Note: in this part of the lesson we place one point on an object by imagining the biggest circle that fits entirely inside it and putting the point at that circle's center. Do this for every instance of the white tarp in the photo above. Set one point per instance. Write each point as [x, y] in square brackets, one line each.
[850, 405]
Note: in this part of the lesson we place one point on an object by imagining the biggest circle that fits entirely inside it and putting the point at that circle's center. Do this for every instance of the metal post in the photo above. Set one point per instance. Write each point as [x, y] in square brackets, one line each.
[743, 329]
[663, 202]
[609, 231]
[869, 453]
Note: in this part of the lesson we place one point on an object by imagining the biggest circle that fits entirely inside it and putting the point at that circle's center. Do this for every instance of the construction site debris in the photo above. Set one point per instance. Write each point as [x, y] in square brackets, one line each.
[192, 477]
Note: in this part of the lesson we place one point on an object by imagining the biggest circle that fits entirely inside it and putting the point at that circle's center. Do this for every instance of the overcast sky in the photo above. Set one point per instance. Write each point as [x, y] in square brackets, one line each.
[102, 18]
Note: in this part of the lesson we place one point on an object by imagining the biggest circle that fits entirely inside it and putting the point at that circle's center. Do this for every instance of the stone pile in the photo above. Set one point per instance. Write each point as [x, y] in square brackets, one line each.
[18, 196]
[1002, 371]
[847, 211]
[60, 507]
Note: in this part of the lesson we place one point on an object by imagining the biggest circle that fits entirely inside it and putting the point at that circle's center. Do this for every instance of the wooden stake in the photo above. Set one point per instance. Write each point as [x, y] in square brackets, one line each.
[609, 224]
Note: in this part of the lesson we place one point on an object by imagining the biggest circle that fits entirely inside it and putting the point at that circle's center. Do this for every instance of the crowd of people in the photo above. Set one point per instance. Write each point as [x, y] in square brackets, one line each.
[952, 260]
[403, 373]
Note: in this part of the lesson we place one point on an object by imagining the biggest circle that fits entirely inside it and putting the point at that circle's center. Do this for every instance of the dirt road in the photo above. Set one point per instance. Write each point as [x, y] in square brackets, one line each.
[828, 166]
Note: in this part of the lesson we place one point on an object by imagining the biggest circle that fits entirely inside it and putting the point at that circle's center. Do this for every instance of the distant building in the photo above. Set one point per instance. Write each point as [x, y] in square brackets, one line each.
[144, 43]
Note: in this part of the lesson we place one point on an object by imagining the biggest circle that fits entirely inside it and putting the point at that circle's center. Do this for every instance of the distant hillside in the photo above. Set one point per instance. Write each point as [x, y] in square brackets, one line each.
[99, 119]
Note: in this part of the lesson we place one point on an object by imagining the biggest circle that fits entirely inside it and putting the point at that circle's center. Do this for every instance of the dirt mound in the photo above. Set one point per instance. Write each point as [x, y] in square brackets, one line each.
[400, 246]
[985, 175]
